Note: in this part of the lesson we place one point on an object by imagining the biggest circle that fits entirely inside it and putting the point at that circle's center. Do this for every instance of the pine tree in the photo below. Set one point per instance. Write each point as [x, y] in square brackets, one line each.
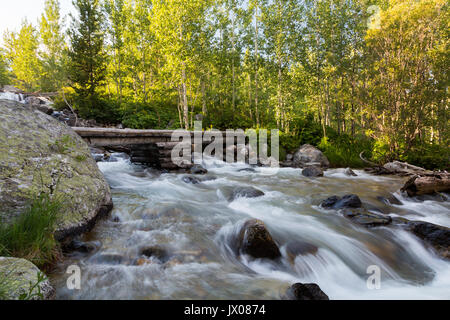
[87, 67]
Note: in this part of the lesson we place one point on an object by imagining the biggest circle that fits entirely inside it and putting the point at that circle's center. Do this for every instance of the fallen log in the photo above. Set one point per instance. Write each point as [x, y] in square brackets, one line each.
[427, 184]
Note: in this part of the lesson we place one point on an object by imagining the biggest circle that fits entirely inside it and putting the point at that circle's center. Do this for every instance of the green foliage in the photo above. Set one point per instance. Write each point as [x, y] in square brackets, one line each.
[30, 236]
[64, 144]
[53, 56]
[22, 55]
[428, 156]
[344, 151]
[87, 69]
[34, 286]
[4, 73]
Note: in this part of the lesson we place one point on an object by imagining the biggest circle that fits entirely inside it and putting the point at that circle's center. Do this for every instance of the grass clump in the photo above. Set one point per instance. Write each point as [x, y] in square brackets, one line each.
[30, 236]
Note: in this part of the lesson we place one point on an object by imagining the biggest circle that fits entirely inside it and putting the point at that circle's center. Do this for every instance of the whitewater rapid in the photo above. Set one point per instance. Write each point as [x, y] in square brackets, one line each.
[197, 222]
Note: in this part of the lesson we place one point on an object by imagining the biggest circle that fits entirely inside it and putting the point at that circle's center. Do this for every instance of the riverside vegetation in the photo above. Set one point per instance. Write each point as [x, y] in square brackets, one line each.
[346, 76]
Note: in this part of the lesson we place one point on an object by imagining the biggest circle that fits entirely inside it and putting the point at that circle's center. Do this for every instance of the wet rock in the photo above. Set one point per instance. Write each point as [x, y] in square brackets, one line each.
[312, 172]
[191, 180]
[156, 252]
[289, 157]
[309, 291]
[198, 169]
[390, 199]
[245, 192]
[299, 248]
[348, 201]
[309, 155]
[368, 219]
[349, 172]
[247, 170]
[197, 180]
[18, 276]
[80, 246]
[255, 240]
[436, 236]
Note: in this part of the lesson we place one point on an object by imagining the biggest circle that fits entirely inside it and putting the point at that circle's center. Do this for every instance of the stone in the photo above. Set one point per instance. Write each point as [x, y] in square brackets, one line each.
[155, 252]
[308, 154]
[309, 291]
[390, 199]
[19, 275]
[255, 240]
[312, 172]
[436, 236]
[348, 201]
[252, 170]
[197, 180]
[198, 169]
[39, 154]
[245, 192]
[349, 172]
[191, 180]
[80, 246]
[367, 219]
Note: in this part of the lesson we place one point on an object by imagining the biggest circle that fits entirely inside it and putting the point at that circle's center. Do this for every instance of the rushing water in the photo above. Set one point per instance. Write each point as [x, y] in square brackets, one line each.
[196, 223]
[12, 96]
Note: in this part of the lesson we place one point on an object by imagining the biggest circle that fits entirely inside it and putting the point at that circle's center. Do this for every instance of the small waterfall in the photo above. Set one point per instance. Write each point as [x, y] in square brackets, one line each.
[12, 96]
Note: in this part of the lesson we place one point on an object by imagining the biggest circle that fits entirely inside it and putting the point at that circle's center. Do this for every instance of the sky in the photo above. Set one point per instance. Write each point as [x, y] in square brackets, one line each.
[12, 12]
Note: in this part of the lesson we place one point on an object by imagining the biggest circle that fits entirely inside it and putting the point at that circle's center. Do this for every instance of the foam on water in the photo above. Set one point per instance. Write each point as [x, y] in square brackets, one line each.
[163, 210]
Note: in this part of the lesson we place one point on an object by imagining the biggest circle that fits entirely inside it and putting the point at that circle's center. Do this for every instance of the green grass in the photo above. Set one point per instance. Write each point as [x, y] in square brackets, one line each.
[30, 236]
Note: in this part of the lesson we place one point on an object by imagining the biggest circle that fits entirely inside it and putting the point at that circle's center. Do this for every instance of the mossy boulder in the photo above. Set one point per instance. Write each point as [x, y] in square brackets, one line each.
[22, 280]
[40, 154]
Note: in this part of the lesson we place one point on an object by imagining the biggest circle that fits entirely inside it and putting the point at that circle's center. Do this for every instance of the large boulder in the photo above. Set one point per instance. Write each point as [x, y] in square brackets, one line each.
[309, 291]
[308, 155]
[40, 154]
[22, 280]
[255, 240]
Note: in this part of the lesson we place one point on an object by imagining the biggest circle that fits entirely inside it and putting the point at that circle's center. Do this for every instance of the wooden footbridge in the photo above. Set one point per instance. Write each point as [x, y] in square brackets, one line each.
[149, 147]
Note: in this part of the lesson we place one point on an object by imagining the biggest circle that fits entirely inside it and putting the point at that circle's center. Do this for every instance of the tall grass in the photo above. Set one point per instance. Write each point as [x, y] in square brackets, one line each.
[30, 236]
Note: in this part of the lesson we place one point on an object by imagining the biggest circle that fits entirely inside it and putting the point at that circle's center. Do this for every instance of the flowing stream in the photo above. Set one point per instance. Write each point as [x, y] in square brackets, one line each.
[195, 224]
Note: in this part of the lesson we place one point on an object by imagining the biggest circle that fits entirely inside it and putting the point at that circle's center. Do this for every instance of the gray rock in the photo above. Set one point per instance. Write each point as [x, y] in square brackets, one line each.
[349, 172]
[436, 236]
[307, 155]
[245, 192]
[39, 154]
[312, 172]
[348, 201]
[198, 169]
[309, 291]
[367, 219]
[156, 252]
[18, 276]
